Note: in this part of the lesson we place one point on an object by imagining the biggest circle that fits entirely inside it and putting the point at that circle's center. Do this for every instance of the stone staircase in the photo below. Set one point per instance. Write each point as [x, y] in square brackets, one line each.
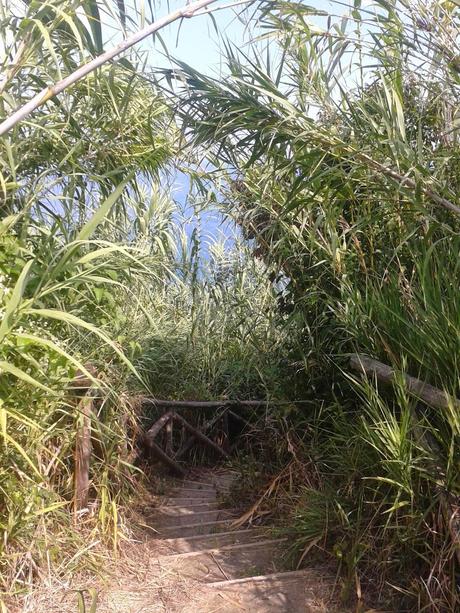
[227, 570]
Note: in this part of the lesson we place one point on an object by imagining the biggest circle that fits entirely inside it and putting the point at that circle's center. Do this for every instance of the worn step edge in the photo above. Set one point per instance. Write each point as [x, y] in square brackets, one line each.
[198, 525]
[282, 576]
[206, 494]
[211, 486]
[207, 484]
[186, 502]
[192, 492]
[194, 502]
[191, 505]
[214, 478]
[197, 537]
[224, 548]
[201, 483]
[227, 511]
[213, 471]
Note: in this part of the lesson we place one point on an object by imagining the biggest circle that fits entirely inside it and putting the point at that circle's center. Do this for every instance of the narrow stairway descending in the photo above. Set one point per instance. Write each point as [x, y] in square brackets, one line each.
[221, 568]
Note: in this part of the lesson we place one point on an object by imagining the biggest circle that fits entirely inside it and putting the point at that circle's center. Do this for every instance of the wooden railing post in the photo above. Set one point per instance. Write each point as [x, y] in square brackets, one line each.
[169, 437]
[81, 386]
[82, 453]
[200, 436]
[188, 444]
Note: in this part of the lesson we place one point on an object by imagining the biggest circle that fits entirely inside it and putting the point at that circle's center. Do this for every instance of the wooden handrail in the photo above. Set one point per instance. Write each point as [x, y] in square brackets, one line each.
[189, 443]
[157, 451]
[427, 393]
[200, 436]
[217, 404]
[149, 440]
[158, 425]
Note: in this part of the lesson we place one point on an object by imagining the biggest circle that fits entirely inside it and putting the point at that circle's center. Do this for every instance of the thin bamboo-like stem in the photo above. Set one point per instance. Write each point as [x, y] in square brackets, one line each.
[200, 436]
[208, 425]
[49, 92]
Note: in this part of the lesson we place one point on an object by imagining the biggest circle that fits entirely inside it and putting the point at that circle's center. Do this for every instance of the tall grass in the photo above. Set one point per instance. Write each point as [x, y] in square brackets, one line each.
[93, 279]
[79, 231]
[337, 154]
[340, 149]
[218, 335]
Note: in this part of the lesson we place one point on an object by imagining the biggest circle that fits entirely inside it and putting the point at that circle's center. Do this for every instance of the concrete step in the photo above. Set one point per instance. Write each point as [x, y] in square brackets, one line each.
[191, 484]
[226, 562]
[211, 541]
[223, 479]
[204, 494]
[222, 569]
[278, 596]
[186, 501]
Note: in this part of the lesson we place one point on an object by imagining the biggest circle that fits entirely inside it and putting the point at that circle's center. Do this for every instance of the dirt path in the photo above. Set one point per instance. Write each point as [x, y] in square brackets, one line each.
[198, 563]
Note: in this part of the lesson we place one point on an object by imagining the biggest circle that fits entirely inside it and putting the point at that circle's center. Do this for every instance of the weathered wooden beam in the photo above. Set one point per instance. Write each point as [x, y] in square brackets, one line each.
[200, 436]
[156, 451]
[208, 425]
[424, 391]
[216, 404]
[157, 426]
[82, 453]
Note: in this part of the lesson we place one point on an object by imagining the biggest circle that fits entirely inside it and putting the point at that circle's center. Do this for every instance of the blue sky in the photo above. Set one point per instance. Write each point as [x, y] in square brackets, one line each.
[196, 42]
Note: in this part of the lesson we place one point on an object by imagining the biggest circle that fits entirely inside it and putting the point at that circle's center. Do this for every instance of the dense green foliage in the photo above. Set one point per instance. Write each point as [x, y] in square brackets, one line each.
[218, 334]
[336, 152]
[342, 157]
[79, 231]
[97, 268]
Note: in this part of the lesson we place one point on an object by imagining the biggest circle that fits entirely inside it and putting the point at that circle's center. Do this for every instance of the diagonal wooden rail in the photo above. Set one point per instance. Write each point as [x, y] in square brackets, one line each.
[168, 456]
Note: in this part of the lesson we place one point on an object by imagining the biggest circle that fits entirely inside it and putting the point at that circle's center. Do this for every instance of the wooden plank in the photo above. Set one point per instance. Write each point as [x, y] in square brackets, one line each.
[157, 452]
[216, 404]
[427, 393]
[200, 436]
[189, 443]
[157, 426]
[82, 453]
